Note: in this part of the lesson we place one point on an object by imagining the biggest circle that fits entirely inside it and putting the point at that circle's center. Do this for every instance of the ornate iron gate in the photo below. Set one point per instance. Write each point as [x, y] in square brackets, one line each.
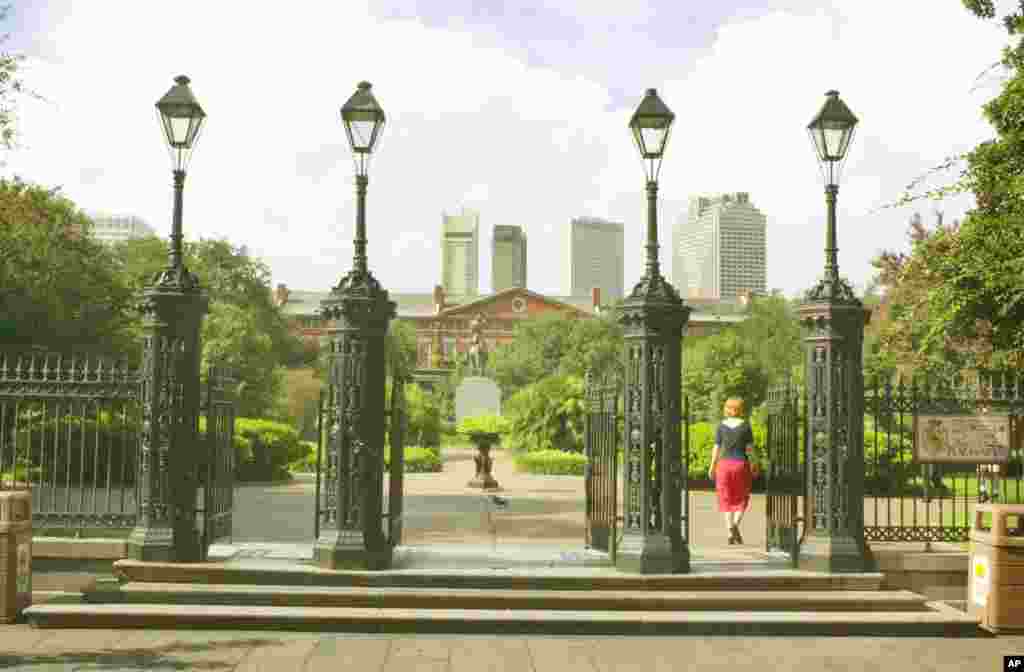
[393, 480]
[217, 476]
[785, 480]
[601, 446]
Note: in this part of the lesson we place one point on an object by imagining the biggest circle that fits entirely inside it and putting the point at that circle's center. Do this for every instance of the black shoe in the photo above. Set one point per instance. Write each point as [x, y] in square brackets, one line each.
[732, 540]
[737, 539]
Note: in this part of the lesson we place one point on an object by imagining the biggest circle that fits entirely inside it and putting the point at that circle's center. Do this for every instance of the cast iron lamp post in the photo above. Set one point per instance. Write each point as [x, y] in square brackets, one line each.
[834, 319]
[351, 526]
[173, 306]
[654, 319]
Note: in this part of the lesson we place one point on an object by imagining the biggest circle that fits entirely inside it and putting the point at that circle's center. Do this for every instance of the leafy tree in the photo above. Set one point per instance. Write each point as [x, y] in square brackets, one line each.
[59, 289]
[745, 360]
[548, 414]
[243, 330]
[975, 291]
[232, 337]
[550, 344]
[401, 348]
[12, 87]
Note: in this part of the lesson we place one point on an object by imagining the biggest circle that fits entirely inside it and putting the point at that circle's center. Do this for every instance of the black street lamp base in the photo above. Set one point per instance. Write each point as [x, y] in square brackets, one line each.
[347, 550]
[151, 544]
[832, 554]
[653, 554]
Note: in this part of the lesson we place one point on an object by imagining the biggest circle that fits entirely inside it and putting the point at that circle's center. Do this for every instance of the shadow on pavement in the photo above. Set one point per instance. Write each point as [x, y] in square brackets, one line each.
[161, 657]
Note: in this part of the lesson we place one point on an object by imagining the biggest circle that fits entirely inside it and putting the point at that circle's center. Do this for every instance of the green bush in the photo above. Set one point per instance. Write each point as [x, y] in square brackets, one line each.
[424, 409]
[90, 446]
[22, 472]
[418, 460]
[483, 424]
[889, 466]
[306, 463]
[548, 415]
[551, 463]
[264, 449]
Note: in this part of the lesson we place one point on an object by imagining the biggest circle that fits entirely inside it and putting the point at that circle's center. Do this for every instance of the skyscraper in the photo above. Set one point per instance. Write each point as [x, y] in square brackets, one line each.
[460, 256]
[719, 247]
[114, 228]
[508, 258]
[595, 258]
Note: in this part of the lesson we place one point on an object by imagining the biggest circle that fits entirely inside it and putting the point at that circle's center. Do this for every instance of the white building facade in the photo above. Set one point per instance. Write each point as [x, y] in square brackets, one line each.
[719, 248]
[596, 258]
[508, 258]
[116, 228]
[460, 256]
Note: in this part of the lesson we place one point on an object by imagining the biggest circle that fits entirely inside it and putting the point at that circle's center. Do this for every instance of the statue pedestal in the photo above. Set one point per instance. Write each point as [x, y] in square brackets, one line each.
[477, 396]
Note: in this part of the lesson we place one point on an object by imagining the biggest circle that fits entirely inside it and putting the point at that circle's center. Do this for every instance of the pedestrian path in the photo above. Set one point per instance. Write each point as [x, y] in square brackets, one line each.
[28, 650]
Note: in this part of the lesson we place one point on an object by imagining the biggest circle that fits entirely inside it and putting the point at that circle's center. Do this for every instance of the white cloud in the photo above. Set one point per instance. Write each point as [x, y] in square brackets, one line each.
[470, 123]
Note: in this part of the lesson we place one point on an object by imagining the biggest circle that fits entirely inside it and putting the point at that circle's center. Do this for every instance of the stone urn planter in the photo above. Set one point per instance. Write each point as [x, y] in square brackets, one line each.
[484, 462]
[484, 432]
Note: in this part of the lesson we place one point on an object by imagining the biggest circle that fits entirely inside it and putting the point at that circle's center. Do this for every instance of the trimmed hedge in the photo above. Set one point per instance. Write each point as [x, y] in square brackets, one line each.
[551, 463]
[418, 460]
[264, 449]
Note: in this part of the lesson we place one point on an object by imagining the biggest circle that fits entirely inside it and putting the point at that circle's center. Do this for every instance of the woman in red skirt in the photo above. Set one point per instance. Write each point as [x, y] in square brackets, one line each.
[730, 467]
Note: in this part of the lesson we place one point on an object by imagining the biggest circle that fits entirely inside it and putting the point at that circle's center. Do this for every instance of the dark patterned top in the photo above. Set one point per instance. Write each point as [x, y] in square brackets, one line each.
[732, 442]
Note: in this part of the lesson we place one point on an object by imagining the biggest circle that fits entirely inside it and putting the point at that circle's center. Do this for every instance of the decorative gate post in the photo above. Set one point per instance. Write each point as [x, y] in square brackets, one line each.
[653, 319]
[834, 444]
[173, 306]
[173, 310]
[351, 534]
[351, 531]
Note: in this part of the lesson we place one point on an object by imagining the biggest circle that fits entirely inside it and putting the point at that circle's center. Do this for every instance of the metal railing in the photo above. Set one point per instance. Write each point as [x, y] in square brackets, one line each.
[905, 500]
[69, 432]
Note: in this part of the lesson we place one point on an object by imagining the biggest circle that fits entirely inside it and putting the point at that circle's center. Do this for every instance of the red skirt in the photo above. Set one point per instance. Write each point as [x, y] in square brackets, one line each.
[733, 480]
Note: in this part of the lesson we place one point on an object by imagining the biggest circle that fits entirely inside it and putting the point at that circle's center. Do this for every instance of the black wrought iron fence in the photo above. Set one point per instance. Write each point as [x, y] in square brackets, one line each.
[69, 431]
[906, 500]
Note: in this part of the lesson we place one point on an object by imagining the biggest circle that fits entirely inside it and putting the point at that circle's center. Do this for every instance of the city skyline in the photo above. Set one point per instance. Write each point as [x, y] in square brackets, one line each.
[527, 131]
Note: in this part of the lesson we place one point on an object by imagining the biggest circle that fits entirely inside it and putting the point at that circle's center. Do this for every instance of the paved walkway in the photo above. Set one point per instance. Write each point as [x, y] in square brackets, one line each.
[441, 509]
[22, 648]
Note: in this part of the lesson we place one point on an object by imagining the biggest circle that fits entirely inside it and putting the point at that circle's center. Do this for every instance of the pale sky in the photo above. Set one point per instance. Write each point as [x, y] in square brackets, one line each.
[517, 110]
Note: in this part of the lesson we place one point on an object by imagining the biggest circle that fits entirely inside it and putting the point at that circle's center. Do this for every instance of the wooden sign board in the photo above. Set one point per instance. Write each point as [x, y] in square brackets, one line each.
[965, 439]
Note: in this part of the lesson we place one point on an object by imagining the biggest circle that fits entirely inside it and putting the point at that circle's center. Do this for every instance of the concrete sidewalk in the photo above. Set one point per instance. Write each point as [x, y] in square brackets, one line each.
[24, 648]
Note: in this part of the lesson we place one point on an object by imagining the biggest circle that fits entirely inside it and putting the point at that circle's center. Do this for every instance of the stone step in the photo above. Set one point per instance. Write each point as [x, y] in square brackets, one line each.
[461, 598]
[938, 620]
[527, 579]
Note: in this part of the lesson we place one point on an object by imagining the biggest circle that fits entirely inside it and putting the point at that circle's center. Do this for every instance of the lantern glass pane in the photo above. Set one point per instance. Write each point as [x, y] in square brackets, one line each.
[819, 142]
[180, 127]
[654, 139]
[361, 133]
[834, 136]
